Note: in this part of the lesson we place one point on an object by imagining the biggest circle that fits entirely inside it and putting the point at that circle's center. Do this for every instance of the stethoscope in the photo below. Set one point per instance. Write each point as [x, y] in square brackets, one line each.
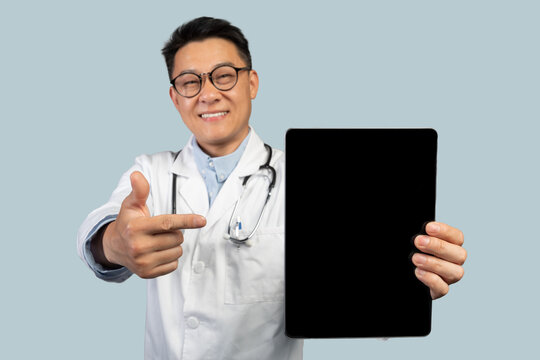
[235, 237]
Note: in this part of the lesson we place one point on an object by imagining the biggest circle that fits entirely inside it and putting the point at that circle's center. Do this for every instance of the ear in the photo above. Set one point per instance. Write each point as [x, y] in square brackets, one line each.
[174, 97]
[253, 84]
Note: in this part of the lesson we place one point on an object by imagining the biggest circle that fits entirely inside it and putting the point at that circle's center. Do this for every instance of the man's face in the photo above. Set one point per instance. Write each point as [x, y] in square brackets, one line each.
[220, 134]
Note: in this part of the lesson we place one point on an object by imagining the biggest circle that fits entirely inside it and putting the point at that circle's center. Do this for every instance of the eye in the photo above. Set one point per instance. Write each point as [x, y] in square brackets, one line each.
[188, 80]
[189, 83]
[224, 76]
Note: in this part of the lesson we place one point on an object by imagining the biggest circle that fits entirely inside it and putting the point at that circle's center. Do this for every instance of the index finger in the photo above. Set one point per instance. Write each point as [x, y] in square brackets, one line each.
[445, 232]
[172, 222]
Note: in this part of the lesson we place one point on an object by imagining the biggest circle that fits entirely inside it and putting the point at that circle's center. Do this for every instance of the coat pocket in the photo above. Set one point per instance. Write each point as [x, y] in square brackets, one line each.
[256, 273]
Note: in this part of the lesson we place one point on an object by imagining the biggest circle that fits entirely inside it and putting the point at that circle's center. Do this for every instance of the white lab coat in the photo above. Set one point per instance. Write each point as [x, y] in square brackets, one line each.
[223, 301]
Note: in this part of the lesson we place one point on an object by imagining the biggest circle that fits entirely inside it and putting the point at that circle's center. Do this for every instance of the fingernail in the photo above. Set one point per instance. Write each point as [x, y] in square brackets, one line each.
[423, 240]
[419, 272]
[201, 220]
[433, 227]
[420, 259]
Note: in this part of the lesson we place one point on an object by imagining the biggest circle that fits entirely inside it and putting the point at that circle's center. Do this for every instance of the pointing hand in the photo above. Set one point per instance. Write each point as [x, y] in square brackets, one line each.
[148, 246]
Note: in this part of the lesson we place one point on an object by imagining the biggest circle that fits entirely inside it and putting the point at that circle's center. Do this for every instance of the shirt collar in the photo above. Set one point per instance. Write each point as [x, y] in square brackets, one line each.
[222, 166]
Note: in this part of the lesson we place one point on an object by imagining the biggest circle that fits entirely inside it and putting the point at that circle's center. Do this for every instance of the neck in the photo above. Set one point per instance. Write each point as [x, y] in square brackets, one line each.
[225, 148]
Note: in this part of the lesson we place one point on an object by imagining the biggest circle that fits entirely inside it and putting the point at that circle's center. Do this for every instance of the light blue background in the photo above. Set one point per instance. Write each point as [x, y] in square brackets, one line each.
[83, 90]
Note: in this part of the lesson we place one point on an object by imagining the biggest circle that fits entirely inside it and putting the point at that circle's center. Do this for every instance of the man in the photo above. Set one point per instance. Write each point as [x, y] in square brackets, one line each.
[209, 296]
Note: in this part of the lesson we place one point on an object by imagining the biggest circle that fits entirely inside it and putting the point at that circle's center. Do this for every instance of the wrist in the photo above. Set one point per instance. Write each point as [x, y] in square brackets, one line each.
[98, 247]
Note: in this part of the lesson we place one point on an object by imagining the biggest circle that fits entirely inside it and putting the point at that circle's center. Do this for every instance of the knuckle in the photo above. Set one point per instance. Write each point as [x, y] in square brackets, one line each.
[439, 245]
[166, 269]
[180, 237]
[444, 290]
[462, 257]
[144, 270]
[437, 285]
[129, 230]
[436, 266]
[166, 223]
[439, 288]
[134, 249]
[141, 265]
[460, 274]
[461, 237]
[144, 274]
[132, 228]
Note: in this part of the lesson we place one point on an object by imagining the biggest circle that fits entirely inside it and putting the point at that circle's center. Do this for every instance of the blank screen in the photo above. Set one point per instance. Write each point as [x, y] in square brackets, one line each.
[355, 198]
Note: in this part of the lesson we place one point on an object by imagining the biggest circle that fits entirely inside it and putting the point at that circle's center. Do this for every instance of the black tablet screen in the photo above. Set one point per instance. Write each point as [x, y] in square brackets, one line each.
[354, 200]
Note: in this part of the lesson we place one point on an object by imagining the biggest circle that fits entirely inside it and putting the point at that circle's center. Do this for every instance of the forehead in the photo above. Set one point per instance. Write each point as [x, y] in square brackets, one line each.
[204, 55]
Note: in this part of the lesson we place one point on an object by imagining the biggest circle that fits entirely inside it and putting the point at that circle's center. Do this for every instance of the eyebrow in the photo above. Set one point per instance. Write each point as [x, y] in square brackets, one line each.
[192, 71]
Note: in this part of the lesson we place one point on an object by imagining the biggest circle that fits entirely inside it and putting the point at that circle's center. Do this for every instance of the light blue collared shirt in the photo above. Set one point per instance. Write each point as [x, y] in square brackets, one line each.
[215, 171]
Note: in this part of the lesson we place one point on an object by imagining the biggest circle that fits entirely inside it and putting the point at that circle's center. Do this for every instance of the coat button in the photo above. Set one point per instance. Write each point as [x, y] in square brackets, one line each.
[198, 267]
[193, 322]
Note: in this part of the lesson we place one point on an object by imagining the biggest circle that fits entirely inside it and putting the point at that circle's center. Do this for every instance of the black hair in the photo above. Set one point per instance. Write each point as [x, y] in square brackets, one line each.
[200, 29]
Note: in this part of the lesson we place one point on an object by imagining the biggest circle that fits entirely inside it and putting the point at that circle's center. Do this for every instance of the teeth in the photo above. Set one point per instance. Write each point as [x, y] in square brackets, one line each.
[205, 116]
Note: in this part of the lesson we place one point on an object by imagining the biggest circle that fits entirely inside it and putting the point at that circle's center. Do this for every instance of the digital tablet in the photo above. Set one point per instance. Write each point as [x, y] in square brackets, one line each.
[354, 200]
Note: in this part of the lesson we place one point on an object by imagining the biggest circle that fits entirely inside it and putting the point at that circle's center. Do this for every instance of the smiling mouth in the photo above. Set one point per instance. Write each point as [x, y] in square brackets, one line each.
[213, 115]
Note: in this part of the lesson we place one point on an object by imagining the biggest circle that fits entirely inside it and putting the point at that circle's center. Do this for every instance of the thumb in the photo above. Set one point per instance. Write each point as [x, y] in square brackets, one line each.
[140, 189]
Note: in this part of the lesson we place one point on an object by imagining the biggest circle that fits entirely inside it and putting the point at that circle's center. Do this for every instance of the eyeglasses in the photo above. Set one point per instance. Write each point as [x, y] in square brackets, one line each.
[223, 78]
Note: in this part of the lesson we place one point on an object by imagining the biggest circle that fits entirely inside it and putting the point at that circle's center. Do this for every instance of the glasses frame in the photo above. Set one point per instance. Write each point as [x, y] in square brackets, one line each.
[209, 75]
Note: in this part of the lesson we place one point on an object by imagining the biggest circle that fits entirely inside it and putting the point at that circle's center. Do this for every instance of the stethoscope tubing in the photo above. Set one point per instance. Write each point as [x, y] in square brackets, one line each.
[265, 166]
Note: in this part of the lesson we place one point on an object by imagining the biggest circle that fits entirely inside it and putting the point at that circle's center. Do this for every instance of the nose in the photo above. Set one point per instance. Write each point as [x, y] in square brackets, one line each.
[208, 93]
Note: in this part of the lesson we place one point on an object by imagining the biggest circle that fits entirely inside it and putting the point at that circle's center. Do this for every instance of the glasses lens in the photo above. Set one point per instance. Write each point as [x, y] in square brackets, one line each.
[188, 84]
[224, 77]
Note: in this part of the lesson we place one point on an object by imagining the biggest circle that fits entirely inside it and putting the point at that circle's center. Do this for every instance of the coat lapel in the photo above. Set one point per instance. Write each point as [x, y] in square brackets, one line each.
[191, 193]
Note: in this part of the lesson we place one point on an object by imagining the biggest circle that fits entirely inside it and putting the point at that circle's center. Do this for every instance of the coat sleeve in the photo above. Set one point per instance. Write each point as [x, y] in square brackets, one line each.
[106, 214]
